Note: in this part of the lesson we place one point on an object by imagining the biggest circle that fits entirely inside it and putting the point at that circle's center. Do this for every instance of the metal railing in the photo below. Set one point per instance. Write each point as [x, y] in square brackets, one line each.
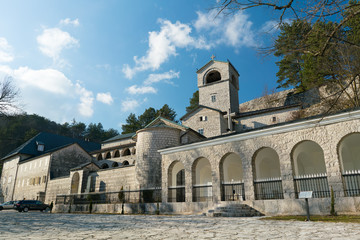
[270, 188]
[317, 183]
[176, 194]
[232, 191]
[202, 193]
[351, 180]
[127, 196]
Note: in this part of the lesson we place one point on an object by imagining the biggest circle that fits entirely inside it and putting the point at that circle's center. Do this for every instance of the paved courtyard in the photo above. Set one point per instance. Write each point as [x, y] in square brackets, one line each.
[36, 225]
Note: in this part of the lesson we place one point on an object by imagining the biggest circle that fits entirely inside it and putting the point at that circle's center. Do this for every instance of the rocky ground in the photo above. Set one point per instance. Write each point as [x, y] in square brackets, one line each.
[37, 225]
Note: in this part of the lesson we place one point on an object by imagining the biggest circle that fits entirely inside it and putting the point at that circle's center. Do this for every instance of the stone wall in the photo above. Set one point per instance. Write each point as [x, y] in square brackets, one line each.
[31, 178]
[213, 126]
[67, 158]
[57, 186]
[111, 180]
[327, 134]
[265, 119]
[148, 161]
[8, 177]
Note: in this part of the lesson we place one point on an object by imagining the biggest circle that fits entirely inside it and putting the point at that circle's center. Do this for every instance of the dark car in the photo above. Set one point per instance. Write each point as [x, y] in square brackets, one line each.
[7, 205]
[26, 205]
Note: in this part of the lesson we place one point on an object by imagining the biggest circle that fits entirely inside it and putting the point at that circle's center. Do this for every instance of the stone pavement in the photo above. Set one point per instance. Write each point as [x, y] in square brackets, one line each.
[36, 225]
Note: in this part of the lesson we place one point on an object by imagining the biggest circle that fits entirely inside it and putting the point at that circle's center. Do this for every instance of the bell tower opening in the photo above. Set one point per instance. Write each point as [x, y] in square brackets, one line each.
[213, 76]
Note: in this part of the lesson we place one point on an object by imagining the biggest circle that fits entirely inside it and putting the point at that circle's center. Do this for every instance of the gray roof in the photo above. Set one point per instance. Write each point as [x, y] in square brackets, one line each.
[52, 142]
[119, 137]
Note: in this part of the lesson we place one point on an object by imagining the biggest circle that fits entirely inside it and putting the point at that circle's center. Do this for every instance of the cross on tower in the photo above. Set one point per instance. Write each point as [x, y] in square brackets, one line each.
[212, 57]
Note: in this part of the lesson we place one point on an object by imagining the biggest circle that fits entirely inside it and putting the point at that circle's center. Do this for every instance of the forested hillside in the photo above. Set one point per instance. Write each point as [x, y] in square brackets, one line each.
[15, 130]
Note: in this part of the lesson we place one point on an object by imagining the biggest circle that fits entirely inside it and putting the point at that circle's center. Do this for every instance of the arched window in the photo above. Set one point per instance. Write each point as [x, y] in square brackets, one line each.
[108, 155]
[117, 154]
[176, 182]
[349, 156]
[125, 163]
[75, 183]
[202, 180]
[231, 174]
[99, 157]
[309, 169]
[267, 176]
[213, 76]
[115, 164]
[105, 165]
[126, 152]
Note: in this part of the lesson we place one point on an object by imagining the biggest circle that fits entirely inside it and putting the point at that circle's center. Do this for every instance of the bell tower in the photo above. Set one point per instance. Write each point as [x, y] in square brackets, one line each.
[218, 84]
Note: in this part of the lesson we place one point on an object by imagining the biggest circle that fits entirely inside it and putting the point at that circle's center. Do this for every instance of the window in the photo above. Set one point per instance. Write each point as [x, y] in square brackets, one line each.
[40, 146]
[213, 98]
[201, 131]
[203, 118]
[274, 119]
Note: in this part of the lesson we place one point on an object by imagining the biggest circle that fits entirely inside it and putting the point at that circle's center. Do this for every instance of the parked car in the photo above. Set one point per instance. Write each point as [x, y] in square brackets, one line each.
[26, 205]
[7, 205]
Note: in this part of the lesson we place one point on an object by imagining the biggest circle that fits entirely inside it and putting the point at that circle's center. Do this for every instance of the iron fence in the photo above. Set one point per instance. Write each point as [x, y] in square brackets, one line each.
[316, 183]
[176, 194]
[232, 191]
[351, 180]
[202, 193]
[127, 196]
[266, 189]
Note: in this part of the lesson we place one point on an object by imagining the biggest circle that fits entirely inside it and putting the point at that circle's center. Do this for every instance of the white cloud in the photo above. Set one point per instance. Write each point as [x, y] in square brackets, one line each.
[6, 54]
[105, 98]
[85, 106]
[53, 40]
[50, 80]
[68, 21]
[234, 30]
[140, 90]
[50, 93]
[154, 78]
[206, 21]
[129, 105]
[162, 45]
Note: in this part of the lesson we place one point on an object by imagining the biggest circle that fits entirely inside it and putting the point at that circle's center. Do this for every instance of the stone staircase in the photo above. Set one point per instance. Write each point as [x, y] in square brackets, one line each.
[233, 210]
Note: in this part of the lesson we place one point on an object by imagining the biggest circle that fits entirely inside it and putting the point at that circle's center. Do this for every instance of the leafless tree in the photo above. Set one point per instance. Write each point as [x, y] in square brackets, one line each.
[311, 11]
[8, 97]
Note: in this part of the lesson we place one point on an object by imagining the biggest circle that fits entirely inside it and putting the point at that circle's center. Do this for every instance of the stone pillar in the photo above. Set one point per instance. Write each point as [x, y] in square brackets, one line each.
[333, 170]
[287, 175]
[188, 184]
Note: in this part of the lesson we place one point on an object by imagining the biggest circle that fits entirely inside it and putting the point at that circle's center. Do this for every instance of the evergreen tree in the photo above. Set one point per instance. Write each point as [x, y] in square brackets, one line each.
[194, 101]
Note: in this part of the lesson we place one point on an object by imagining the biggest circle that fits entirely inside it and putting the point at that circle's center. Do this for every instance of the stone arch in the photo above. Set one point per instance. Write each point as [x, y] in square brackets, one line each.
[267, 174]
[266, 164]
[116, 154]
[104, 166]
[309, 169]
[115, 164]
[176, 182]
[126, 152]
[233, 80]
[75, 183]
[99, 157]
[349, 156]
[308, 158]
[202, 180]
[125, 163]
[231, 175]
[108, 155]
[213, 75]
[349, 152]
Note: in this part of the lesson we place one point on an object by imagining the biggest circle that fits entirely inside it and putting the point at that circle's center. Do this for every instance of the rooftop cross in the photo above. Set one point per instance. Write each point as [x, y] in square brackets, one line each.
[212, 57]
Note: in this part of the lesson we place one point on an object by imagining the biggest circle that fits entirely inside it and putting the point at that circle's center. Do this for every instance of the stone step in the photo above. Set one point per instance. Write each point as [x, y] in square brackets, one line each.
[234, 210]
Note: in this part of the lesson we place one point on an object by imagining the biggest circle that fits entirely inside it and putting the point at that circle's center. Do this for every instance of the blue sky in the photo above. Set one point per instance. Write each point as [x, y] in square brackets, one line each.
[99, 61]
